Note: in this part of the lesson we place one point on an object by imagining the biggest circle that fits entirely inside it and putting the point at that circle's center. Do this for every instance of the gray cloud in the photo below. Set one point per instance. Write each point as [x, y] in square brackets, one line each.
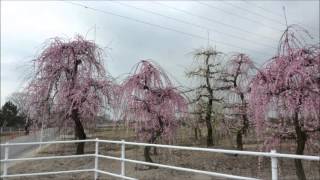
[26, 25]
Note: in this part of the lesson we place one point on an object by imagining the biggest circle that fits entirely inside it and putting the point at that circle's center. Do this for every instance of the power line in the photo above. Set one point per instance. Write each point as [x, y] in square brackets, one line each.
[273, 13]
[237, 15]
[162, 27]
[192, 24]
[266, 10]
[214, 21]
[255, 13]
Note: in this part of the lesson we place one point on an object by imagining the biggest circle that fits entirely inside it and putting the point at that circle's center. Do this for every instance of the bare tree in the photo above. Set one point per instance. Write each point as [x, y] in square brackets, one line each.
[235, 79]
[20, 100]
[207, 72]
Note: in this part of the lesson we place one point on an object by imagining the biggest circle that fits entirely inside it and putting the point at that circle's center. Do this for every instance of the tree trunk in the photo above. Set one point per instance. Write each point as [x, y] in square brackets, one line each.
[155, 152]
[200, 133]
[196, 133]
[152, 140]
[245, 125]
[78, 128]
[209, 135]
[27, 127]
[79, 131]
[239, 140]
[146, 154]
[147, 149]
[209, 125]
[209, 107]
[301, 141]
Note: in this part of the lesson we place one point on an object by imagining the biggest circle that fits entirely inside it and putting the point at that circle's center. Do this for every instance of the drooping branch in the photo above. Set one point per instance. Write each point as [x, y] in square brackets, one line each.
[148, 94]
[69, 80]
[288, 86]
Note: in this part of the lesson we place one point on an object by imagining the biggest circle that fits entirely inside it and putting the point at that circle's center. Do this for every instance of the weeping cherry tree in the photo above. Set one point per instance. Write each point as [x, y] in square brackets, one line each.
[69, 80]
[288, 87]
[151, 104]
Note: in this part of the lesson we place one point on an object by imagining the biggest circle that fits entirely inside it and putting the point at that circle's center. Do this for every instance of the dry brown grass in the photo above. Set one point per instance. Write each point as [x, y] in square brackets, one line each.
[237, 165]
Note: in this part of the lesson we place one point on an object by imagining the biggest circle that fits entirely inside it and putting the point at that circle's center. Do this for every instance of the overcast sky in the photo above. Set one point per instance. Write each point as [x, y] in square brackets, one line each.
[165, 31]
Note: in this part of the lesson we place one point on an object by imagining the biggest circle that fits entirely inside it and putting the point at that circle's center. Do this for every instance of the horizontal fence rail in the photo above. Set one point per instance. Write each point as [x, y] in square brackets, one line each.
[48, 173]
[48, 142]
[225, 151]
[178, 168]
[48, 157]
[273, 155]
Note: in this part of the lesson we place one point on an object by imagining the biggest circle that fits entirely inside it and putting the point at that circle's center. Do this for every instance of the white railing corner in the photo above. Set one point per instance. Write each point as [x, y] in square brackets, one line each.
[274, 165]
[96, 163]
[123, 156]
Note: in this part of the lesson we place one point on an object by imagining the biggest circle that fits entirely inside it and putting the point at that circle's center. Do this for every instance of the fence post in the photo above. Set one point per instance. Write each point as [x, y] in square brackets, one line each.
[41, 137]
[6, 157]
[274, 166]
[96, 160]
[123, 151]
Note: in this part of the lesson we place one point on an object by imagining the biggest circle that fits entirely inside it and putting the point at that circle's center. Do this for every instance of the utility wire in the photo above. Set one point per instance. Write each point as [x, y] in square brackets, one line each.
[274, 13]
[160, 26]
[255, 13]
[194, 25]
[266, 10]
[236, 15]
[214, 21]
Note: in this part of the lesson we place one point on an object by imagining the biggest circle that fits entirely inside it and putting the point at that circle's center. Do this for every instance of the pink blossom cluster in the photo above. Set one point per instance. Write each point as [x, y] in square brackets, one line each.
[287, 86]
[69, 75]
[150, 103]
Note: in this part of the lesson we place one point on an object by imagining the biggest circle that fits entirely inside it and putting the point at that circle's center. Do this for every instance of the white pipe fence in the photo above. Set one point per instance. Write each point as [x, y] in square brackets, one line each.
[273, 155]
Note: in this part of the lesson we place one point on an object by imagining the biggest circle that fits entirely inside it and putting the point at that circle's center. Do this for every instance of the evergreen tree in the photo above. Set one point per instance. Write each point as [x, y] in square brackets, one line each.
[9, 116]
